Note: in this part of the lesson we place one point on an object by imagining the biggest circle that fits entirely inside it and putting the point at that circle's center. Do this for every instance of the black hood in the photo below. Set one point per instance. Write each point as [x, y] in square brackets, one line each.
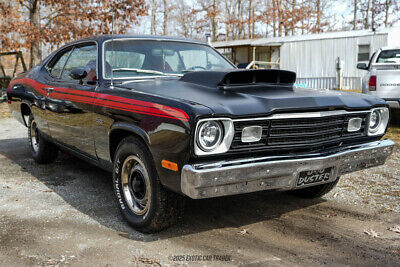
[251, 99]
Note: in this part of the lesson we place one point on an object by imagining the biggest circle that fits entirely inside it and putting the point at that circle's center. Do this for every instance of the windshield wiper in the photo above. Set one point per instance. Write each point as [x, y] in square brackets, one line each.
[145, 71]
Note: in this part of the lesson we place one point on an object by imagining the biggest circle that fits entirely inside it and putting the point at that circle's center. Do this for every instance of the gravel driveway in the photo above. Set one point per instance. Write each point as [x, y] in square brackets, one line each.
[64, 214]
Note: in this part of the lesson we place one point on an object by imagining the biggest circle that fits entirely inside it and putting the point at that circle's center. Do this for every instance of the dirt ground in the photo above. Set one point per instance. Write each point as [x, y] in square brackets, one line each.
[4, 112]
[64, 214]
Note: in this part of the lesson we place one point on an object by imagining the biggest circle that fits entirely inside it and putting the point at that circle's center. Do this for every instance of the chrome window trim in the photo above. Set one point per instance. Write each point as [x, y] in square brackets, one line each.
[154, 39]
[302, 115]
[72, 47]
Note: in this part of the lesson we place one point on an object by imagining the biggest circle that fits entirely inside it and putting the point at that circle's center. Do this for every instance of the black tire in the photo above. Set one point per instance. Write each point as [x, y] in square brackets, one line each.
[43, 151]
[395, 116]
[151, 207]
[314, 191]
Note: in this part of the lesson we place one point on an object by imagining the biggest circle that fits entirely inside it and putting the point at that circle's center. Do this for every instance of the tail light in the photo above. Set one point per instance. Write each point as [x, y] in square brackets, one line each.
[372, 83]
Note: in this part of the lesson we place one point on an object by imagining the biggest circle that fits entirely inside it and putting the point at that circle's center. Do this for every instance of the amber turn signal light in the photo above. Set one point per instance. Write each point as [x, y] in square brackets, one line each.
[169, 165]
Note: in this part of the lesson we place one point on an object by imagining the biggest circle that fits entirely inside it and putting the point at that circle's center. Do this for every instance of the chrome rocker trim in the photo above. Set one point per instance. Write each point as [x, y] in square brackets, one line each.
[256, 174]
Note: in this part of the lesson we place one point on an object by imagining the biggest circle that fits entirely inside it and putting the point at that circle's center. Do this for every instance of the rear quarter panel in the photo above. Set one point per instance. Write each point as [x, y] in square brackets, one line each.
[21, 91]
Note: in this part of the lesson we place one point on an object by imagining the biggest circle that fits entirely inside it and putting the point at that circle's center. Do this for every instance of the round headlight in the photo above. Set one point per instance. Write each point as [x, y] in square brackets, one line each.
[209, 135]
[375, 121]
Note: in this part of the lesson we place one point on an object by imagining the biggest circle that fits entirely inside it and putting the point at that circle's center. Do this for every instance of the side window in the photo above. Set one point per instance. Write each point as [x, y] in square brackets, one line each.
[173, 61]
[55, 68]
[194, 59]
[82, 57]
[125, 59]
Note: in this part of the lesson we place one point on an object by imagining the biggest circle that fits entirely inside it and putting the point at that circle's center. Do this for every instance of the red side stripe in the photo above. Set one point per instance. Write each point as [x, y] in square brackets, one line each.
[110, 104]
[105, 100]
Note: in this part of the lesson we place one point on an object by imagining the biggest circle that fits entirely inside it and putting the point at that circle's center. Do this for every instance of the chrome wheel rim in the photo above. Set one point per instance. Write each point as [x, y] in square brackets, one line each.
[34, 136]
[136, 185]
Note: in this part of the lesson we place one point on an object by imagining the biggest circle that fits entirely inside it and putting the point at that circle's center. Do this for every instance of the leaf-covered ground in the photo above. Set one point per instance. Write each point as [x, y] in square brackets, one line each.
[4, 111]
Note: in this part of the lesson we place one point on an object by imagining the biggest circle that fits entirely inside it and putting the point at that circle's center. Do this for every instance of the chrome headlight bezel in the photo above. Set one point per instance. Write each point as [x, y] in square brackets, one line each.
[383, 118]
[218, 136]
[222, 145]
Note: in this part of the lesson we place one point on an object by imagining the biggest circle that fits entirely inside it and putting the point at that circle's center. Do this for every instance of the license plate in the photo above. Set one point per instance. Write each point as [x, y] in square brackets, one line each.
[312, 177]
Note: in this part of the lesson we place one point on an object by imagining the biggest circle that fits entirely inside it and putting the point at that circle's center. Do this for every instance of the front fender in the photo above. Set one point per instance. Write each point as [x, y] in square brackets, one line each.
[130, 128]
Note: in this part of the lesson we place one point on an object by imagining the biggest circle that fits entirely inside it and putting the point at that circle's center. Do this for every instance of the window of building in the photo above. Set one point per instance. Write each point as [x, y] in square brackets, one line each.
[363, 53]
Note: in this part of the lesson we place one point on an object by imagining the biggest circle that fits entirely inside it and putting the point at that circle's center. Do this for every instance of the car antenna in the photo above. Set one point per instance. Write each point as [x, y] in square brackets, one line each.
[112, 50]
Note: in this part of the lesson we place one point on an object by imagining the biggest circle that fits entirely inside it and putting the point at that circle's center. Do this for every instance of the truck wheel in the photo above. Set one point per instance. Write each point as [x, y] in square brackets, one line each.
[314, 191]
[42, 150]
[395, 116]
[142, 200]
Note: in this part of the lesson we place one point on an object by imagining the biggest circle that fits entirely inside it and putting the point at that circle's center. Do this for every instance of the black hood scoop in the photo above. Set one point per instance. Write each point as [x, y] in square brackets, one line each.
[239, 79]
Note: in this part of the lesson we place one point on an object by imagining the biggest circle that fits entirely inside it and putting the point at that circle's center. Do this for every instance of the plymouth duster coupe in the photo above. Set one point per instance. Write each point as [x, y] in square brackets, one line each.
[172, 118]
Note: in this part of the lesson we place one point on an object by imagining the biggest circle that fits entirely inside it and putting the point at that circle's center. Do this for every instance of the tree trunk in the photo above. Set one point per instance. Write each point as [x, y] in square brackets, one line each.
[240, 16]
[355, 16]
[280, 17]
[35, 47]
[366, 24]
[387, 6]
[318, 26]
[293, 8]
[214, 20]
[274, 17]
[373, 13]
[165, 31]
[153, 16]
[251, 19]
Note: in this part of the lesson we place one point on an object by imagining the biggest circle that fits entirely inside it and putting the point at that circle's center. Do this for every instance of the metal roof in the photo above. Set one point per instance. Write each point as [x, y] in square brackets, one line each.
[277, 41]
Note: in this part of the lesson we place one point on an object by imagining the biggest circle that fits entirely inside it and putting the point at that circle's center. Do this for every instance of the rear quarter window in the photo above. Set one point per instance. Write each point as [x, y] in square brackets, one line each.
[389, 57]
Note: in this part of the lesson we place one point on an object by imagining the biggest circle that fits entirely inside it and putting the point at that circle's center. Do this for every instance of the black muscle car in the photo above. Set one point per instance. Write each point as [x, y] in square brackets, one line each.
[172, 118]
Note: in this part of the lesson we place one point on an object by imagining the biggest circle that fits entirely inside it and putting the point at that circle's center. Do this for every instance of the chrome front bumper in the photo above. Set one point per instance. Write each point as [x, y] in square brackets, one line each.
[255, 174]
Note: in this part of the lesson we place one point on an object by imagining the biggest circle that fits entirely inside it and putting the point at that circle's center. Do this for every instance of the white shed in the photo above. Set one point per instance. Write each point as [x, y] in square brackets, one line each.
[313, 57]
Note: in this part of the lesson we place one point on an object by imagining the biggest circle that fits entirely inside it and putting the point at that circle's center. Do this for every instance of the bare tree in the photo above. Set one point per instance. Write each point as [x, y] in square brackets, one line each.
[153, 16]
[35, 23]
[165, 22]
[355, 15]
[368, 7]
[251, 19]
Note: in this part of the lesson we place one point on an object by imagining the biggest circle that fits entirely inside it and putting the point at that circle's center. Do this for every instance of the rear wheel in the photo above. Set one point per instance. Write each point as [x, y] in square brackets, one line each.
[314, 191]
[42, 150]
[143, 201]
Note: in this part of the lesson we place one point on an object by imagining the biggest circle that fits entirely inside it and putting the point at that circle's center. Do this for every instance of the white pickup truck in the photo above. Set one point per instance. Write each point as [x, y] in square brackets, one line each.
[383, 77]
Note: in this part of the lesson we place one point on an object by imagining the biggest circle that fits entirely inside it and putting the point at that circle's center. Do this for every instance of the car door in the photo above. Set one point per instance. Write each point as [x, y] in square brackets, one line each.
[70, 101]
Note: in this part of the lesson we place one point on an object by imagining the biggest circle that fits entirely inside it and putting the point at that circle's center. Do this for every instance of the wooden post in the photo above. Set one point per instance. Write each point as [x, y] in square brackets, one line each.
[254, 55]
[22, 61]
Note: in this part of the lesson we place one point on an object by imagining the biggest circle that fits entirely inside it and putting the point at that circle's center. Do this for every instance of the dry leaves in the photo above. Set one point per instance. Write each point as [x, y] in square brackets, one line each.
[395, 229]
[146, 261]
[372, 233]
[243, 232]
[329, 215]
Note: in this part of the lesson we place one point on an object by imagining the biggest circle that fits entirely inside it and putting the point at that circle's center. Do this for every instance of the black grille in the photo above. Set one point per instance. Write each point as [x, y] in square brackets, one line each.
[299, 133]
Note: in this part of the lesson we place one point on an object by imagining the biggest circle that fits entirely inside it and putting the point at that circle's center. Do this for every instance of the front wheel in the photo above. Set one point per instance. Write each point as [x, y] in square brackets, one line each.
[314, 191]
[143, 201]
[42, 150]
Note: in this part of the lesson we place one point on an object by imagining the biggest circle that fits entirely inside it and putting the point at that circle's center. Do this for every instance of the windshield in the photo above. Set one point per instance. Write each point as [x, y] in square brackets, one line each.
[389, 56]
[138, 58]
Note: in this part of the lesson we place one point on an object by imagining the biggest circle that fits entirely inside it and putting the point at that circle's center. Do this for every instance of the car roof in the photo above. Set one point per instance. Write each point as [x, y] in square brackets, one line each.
[390, 48]
[105, 37]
